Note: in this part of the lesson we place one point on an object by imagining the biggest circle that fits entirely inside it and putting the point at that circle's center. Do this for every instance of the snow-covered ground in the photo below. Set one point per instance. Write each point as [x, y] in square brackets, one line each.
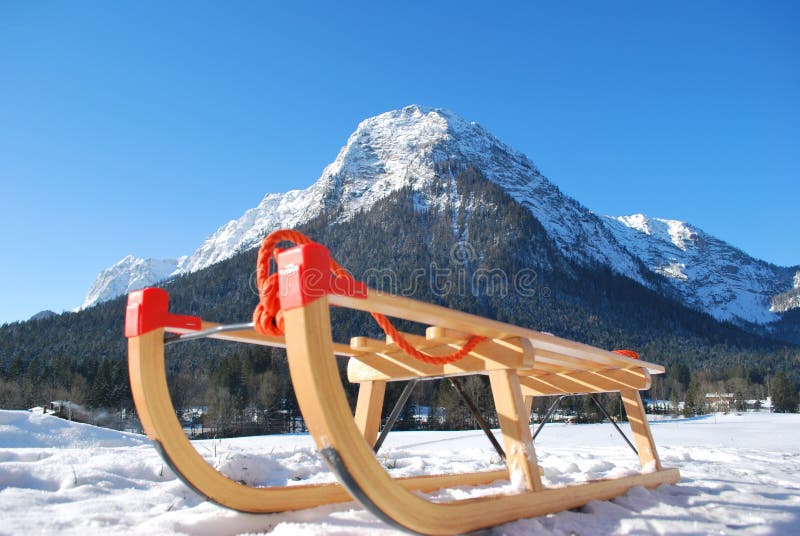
[741, 475]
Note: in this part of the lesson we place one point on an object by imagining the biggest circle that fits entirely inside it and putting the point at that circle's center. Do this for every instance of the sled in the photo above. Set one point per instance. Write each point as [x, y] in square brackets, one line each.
[521, 364]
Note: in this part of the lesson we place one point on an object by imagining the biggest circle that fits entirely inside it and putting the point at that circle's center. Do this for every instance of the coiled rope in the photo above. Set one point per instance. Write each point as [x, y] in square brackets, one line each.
[268, 317]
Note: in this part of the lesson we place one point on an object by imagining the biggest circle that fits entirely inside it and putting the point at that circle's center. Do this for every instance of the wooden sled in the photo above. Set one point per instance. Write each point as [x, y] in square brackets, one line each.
[520, 363]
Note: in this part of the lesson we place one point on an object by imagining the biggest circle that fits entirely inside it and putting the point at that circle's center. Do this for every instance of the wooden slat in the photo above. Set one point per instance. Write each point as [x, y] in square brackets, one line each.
[548, 368]
[366, 344]
[393, 364]
[607, 381]
[434, 315]
[457, 339]
[428, 483]
[566, 362]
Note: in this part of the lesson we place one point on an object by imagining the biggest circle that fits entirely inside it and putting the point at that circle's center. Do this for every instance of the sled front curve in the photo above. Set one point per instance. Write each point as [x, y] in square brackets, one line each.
[146, 323]
[326, 411]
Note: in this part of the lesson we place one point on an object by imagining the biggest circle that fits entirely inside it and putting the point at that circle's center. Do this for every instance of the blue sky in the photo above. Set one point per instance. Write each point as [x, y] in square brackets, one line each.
[138, 127]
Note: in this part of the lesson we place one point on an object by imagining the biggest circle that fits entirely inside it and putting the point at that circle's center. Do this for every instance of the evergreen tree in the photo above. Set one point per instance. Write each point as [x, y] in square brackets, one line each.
[694, 401]
[100, 393]
[784, 394]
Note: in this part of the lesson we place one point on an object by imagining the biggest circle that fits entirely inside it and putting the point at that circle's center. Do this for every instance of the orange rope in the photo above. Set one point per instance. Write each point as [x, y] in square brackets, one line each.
[628, 353]
[406, 346]
[268, 317]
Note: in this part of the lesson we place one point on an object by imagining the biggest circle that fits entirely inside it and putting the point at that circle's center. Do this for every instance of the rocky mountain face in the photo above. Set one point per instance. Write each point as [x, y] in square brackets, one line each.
[706, 273]
[417, 147]
[788, 300]
[130, 274]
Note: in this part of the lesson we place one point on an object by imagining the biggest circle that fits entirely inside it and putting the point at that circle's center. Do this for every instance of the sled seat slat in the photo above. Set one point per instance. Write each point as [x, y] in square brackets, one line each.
[386, 362]
[583, 382]
[435, 315]
[543, 358]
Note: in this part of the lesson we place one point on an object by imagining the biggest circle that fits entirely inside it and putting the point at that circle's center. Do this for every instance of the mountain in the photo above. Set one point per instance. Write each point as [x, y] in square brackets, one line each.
[129, 274]
[707, 273]
[405, 148]
[416, 146]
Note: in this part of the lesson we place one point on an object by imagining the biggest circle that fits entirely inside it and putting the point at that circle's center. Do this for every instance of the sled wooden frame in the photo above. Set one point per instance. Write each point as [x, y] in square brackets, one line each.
[521, 364]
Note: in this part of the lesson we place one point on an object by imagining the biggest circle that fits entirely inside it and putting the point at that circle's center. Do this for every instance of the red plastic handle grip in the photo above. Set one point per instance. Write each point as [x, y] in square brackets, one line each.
[148, 309]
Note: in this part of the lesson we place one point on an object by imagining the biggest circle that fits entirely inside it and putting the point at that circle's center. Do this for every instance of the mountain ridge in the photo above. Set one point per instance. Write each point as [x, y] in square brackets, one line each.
[415, 146]
[693, 262]
[128, 274]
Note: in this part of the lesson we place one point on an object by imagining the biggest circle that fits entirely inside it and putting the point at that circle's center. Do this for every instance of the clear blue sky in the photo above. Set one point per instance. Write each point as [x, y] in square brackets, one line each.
[140, 127]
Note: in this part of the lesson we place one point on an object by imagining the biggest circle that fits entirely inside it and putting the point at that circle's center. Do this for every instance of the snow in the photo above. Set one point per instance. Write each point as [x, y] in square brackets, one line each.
[676, 232]
[673, 270]
[740, 475]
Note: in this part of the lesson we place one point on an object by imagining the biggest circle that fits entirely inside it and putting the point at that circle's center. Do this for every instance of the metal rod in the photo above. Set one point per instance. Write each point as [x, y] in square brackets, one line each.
[398, 407]
[171, 338]
[456, 383]
[628, 441]
[547, 415]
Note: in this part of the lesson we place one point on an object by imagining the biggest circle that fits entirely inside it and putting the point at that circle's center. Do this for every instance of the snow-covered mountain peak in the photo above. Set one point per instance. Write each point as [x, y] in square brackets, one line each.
[384, 151]
[401, 147]
[797, 280]
[393, 143]
[128, 274]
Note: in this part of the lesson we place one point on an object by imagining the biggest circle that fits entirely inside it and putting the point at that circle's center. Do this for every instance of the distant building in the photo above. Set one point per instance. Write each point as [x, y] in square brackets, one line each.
[721, 402]
[69, 411]
[426, 414]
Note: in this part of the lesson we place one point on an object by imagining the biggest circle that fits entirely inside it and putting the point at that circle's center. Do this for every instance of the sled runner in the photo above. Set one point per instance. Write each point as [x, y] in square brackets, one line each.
[294, 313]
